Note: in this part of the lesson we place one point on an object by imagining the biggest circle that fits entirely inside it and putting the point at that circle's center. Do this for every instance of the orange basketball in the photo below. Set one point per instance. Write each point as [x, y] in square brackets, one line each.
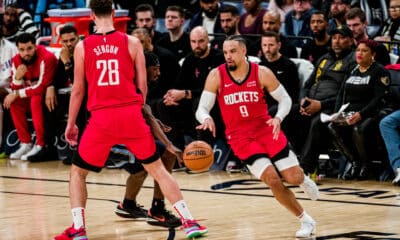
[198, 156]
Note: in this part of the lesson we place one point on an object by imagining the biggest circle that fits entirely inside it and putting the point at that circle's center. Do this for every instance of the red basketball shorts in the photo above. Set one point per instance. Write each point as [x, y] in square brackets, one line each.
[120, 125]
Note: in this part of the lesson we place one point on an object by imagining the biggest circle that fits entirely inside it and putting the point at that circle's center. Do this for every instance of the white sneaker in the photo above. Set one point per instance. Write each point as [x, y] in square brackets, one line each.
[307, 229]
[396, 180]
[33, 151]
[310, 188]
[23, 149]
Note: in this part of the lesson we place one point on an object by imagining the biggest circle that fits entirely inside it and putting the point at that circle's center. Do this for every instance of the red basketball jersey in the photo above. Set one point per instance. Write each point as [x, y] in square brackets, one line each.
[109, 70]
[242, 104]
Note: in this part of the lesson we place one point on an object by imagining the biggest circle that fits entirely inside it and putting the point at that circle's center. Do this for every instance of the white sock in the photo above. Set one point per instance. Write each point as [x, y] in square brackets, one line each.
[304, 217]
[78, 217]
[306, 178]
[182, 209]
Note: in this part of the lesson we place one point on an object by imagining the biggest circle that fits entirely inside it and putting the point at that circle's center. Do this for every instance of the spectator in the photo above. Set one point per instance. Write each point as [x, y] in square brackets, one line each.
[208, 16]
[284, 69]
[339, 8]
[297, 21]
[389, 127]
[7, 51]
[356, 21]
[229, 16]
[144, 14]
[191, 80]
[319, 45]
[251, 21]
[281, 6]
[17, 21]
[320, 92]
[391, 30]
[176, 39]
[56, 104]
[169, 67]
[33, 70]
[272, 22]
[363, 89]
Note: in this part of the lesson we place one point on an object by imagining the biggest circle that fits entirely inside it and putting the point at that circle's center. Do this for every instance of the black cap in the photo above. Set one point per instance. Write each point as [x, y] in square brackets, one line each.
[343, 30]
[151, 59]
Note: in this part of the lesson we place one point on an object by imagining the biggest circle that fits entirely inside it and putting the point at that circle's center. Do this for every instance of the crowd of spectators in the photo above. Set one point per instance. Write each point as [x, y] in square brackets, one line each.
[333, 36]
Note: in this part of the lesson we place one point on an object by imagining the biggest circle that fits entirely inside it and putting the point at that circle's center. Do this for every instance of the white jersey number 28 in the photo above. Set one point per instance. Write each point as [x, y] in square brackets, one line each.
[111, 67]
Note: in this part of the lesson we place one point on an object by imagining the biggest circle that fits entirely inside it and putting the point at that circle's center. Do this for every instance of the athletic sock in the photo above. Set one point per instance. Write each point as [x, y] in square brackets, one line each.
[304, 217]
[78, 217]
[157, 205]
[182, 209]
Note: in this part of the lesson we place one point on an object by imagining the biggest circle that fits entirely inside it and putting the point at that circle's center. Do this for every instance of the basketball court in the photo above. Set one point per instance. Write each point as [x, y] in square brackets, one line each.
[35, 205]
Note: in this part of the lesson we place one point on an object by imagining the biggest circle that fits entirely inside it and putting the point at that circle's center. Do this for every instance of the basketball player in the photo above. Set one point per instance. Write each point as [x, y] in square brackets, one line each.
[239, 86]
[114, 67]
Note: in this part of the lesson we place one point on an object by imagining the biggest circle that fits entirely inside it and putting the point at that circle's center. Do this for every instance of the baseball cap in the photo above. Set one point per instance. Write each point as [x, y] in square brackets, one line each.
[343, 30]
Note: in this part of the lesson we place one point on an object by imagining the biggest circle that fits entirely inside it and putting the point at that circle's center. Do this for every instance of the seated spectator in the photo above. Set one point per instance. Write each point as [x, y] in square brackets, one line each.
[283, 68]
[357, 22]
[355, 134]
[319, 45]
[251, 21]
[338, 10]
[145, 18]
[229, 17]
[297, 21]
[208, 16]
[33, 71]
[391, 30]
[281, 6]
[272, 22]
[320, 92]
[17, 21]
[389, 127]
[7, 51]
[176, 39]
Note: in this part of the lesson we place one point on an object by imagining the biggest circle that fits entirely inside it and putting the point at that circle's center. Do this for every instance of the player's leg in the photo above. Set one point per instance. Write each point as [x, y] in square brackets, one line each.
[171, 191]
[129, 208]
[157, 214]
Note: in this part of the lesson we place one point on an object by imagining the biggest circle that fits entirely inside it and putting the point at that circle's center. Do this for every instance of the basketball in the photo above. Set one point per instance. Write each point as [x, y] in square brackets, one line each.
[198, 156]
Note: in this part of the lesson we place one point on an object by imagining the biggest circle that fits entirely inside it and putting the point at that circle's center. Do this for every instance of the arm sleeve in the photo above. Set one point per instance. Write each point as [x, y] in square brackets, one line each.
[284, 102]
[207, 101]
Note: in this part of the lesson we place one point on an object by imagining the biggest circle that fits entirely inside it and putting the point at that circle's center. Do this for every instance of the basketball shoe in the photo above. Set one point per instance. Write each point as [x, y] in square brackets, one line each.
[307, 229]
[138, 212]
[163, 218]
[23, 149]
[396, 180]
[310, 188]
[72, 234]
[193, 229]
[35, 150]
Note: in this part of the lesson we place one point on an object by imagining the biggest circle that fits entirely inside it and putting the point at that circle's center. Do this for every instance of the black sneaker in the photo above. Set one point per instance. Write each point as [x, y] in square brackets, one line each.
[163, 219]
[136, 213]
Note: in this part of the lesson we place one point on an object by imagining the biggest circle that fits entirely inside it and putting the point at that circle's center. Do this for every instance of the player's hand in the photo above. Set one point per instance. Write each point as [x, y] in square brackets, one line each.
[21, 70]
[177, 152]
[51, 99]
[71, 134]
[208, 125]
[276, 127]
[8, 100]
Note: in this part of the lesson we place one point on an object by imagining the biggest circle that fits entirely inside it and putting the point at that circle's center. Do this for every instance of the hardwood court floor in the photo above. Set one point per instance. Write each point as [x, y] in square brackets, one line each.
[34, 204]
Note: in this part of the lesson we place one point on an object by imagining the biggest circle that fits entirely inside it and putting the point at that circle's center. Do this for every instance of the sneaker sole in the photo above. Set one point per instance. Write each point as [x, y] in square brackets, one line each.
[155, 222]
[128, 215]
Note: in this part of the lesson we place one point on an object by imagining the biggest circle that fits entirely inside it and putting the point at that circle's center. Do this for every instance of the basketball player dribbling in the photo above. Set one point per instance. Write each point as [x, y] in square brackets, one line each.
[113, 65]
[239, 86]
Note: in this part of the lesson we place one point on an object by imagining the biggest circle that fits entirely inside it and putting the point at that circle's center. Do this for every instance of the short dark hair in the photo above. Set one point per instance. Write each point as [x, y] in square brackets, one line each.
[271, 34]
[176, 8]
[68, 29]
[321, 13]
[356, 12]
[144, 8]
[101, 7]
[240, 39]
[25, 38]
[228, 8]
